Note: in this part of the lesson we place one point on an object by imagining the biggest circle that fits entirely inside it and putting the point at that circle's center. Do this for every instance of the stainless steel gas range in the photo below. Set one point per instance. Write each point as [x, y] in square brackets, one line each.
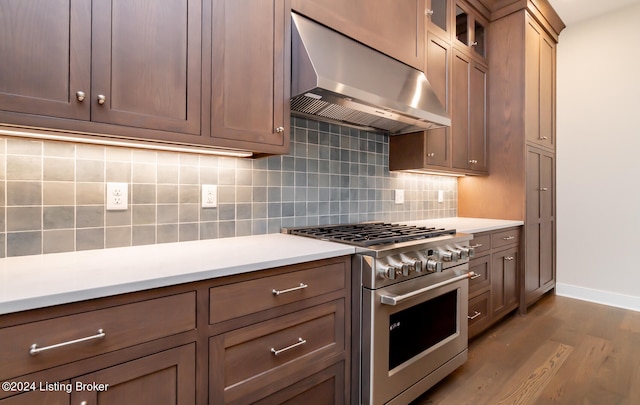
[410, 306]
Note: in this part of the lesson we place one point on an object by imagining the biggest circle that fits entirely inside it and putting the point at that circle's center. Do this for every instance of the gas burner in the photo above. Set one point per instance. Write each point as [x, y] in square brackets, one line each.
[371, 233]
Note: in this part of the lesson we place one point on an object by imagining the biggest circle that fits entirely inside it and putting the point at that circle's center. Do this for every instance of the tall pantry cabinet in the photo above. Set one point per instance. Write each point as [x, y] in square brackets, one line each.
[522, 120]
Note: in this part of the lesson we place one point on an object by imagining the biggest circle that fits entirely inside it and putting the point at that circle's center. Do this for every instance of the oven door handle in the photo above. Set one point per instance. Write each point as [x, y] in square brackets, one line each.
[397, 299]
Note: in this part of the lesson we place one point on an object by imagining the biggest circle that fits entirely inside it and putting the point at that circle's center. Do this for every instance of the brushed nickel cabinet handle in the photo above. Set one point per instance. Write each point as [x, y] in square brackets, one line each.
[477, 245]
[80, 95]
[432, 154]
[474, 43]
[543, 138]
[101, 99]
[276, 352]
[508, 258]
[288, 290]
[428, 12]
[476, 276]
[280, 130]
[543, 189]
[509, 238]
[473, 161]
[35, 349]
[474, 316]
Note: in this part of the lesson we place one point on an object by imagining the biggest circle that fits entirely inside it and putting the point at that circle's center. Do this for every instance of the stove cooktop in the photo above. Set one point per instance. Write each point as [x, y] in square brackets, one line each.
[370, 233]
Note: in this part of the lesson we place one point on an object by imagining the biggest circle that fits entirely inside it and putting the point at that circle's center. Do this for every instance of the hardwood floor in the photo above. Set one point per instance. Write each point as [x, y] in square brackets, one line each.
[564, 351]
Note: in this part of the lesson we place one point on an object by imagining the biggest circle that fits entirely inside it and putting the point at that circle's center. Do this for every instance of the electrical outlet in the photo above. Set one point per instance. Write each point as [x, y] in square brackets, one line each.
[399, 196]
[440, 196]
[117, 196]
[209, 196]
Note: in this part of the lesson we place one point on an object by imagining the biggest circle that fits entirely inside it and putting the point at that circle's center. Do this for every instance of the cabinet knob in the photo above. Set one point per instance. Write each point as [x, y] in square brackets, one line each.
[474, 43]
[101, 99]
[80, 95]
[280, 129]
[428, 12]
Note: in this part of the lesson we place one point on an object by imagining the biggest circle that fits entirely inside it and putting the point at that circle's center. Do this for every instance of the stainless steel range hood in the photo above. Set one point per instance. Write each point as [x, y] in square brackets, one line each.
[335, 78]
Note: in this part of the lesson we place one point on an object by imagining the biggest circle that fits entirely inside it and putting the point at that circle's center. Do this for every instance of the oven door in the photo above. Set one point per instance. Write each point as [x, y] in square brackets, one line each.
[414, 334]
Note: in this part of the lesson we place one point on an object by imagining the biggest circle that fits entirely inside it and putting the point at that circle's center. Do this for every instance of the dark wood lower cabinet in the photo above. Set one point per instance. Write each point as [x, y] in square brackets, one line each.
[494, 291]
[165, 346]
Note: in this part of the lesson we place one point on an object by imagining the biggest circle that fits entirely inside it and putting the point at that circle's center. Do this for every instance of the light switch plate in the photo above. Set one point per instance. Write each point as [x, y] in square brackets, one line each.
[399, 196]
[209, 196]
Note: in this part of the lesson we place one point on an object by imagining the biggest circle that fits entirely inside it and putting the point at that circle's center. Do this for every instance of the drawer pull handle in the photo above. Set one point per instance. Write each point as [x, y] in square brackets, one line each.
[300, 342]
[544, 188]
[509, 238]
[35, 349]
[476, 276]
[288, 290]
[477, 245]
[508, 258]
[474, 316]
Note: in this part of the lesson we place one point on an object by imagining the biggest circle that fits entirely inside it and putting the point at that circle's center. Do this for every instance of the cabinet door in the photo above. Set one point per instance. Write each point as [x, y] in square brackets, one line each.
[53, 397]
[539, 224]
[164, 378]
[251, 75]
[469, 111]
[439, 18]
[46, 57]
[146, 64]
[504, 281]
[438, 70]
[540, 67]
[470, 31]
[393, 27]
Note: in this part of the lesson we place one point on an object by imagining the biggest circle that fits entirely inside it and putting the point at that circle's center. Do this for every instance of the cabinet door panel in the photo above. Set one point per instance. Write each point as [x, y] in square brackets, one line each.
[147, 64]
[250, 58]
[478, 118]
[546, 186]
[45, 48]
[164, 378]
[547, 93]
[438, 62]
[532, 81]
[504, 281]
[547, 242]
[532, 259]
[461, 67]
[533, 185]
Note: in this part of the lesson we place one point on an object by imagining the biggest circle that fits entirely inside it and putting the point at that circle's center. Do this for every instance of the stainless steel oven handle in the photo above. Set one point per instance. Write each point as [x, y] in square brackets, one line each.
[395, 300]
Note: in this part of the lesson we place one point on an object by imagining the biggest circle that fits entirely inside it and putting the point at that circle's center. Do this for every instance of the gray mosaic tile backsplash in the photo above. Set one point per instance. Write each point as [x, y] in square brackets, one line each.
[52, 194]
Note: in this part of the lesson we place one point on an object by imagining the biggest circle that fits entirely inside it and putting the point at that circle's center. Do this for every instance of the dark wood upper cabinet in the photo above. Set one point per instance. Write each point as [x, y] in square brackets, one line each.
[439, 18]
[46, 60]
[540, 67]
[251, 63]
[468, 114]
[146, 64]
[470, 31]
[393, 27]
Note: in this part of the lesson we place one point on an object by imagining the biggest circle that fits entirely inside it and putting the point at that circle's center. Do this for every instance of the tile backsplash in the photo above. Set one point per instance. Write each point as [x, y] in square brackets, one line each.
[52, 196]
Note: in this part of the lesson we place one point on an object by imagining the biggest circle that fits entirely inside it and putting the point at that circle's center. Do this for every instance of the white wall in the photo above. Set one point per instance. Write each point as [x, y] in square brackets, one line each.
[598, 166]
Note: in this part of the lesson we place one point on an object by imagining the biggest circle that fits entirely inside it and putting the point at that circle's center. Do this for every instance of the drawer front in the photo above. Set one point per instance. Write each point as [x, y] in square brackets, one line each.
[478, 313]
[247, 297]
[482, 243]
[482, 278]
[505, 238]
[271, 355]
[123, 326]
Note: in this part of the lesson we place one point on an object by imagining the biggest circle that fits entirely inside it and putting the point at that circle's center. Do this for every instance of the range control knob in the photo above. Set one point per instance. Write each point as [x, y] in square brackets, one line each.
[470, 251]
[388, 272]
[407, 268]
[417, 265]
[450, 256]
[461, 253]
[433, 266]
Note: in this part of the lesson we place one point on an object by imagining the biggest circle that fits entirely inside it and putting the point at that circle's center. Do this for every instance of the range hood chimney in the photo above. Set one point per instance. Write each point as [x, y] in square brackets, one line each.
[337, 79]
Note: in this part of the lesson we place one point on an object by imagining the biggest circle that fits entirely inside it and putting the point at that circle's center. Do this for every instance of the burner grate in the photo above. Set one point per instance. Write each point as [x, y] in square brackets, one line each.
[370, 234]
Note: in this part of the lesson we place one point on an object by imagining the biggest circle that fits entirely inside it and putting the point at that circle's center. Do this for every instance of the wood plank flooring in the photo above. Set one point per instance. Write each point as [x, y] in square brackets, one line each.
[564, 351]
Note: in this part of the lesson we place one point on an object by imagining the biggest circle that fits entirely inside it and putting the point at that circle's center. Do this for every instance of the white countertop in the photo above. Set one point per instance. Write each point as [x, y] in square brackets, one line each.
[30, 282]
[467, 225]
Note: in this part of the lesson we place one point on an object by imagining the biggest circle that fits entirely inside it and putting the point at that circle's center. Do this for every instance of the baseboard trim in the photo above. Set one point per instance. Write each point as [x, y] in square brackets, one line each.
[598, 296]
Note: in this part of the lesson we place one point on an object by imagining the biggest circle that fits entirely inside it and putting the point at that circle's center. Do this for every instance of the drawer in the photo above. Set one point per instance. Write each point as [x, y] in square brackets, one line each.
[247, 297]
[478, 313]
[505, 238]
[273, 354]
[481, 242]
[482, 279]
[123, 326]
